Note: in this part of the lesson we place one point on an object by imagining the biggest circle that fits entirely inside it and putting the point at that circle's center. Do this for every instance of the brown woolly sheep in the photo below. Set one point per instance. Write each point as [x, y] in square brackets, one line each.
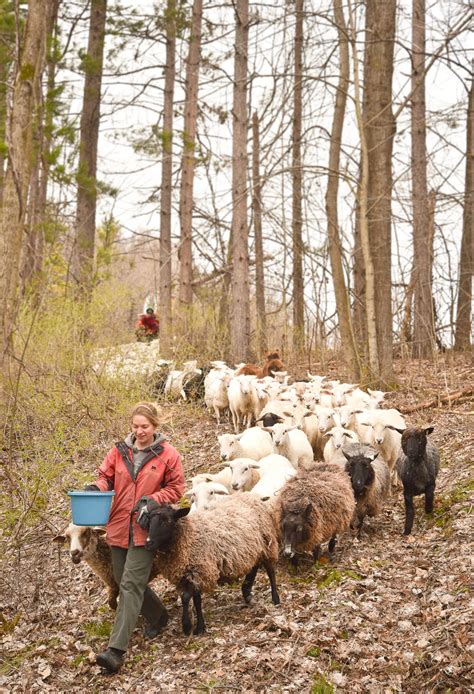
[219, 546]
[315, 505]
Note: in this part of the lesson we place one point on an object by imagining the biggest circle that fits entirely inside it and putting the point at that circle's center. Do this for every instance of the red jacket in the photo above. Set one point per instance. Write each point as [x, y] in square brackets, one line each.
[160, 477]
[150, 322]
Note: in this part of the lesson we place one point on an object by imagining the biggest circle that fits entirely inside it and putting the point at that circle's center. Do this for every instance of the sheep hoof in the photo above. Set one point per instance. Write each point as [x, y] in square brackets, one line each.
[199, 629]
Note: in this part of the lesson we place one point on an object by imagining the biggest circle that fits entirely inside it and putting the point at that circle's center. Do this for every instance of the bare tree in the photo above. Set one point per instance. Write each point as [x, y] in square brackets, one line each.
[257, 225]
[166, 180]
[423, 327]
[297, 180]
[379, 129]
[466, 267]
[340, 289]
[89, 135]
[22, 126]
[188, 157]
[240, 319]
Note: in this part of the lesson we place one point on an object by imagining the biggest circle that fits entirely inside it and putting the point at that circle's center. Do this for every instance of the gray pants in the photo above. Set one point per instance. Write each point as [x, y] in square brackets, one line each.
[132, 568]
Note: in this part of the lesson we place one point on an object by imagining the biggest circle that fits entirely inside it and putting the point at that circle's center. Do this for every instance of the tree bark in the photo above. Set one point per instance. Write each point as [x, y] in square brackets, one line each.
[188, 159]
[462, 339]
[423, 326]
[84, 257]
[18, 174]
[348, 343]
[363, 217]
[297, 182]
[166, 324]
[240, 318]
[379, 128]
[257, 225]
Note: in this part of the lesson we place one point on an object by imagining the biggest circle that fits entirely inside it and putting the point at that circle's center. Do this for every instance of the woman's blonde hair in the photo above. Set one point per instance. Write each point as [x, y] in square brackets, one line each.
[148, 410]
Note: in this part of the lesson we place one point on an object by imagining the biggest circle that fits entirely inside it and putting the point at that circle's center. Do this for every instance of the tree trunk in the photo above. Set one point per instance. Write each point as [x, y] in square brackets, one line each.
[189, 141]
[89, 136]
[297, 181]
[379, 128]
[39, 185]
[423, 326]
[240, 318]
[462, 339]
[348, 344]
[257, 225]
[18, 174]
[166, 324]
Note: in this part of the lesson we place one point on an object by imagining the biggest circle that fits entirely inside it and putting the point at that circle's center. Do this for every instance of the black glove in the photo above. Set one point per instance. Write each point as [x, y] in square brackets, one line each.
[91, 488]
[144, 507]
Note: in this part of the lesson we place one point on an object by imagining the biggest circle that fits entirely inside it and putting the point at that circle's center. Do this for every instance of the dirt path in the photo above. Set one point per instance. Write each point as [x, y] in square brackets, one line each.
[390, 614]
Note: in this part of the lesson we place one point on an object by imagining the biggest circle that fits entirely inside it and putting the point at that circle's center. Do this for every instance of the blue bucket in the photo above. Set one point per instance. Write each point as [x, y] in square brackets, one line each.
[91, 508]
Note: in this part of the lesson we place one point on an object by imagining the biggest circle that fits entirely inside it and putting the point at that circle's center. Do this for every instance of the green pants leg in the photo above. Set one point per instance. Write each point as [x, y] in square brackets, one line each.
[132, 568]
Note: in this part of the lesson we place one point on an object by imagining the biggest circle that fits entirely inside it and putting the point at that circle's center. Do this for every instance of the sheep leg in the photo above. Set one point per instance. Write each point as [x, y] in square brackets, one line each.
[247, 585]
[316, 552]
[113, 595]
[200, 627]
[429, 499]
[271, 577]
[332, 544]
[409, 513]
[186, 619]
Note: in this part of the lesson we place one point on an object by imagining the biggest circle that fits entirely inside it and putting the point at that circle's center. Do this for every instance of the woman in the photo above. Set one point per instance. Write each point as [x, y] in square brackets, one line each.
[144, 470]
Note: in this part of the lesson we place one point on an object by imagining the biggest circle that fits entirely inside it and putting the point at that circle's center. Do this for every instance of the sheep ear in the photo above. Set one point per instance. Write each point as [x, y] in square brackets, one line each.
[239, 436]
[287, 414]
[429, 430]
[346, 455]
[254, 466]
[60, 539]
[366, 424]
[400, 431]
[260, 419]
[181, 512]
[372, 456]
[268, 429]
[189, 494]
[100, 532]
[308, 510]
[308, 413]
[220, 491]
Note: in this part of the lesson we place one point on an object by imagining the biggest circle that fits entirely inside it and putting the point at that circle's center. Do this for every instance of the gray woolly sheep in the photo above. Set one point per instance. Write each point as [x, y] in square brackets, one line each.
[221, 545]
[315, 505]
[370, 479]
[417, 466]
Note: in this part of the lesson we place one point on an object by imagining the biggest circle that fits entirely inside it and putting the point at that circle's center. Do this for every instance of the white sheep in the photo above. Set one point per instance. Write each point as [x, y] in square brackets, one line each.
[374, 429]
[175, 380]
[203, 496]
[253, 443]
[242, 400]
[221, 476]
[275, 471]
[292, 443]
[337, 438]
[246, 473]
[215, 394]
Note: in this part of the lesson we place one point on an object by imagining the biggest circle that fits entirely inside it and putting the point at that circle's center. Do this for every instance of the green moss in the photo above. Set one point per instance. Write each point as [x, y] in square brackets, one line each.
[313, 652]
[336, 576]
[321, 686]
[98, 629]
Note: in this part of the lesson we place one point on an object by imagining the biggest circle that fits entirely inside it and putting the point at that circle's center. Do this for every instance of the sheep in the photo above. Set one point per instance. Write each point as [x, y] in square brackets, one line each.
[417, 466]
[246, 473]
[315, 506]
[292, 443]
[272, 480]
[241, 394]
[383, 434]
[370, 479]
[89, 544]
[204, 495]
[197, 552]
[221, 477]
[253, 443]
[337, 437]
[215, 394]
[175, 380]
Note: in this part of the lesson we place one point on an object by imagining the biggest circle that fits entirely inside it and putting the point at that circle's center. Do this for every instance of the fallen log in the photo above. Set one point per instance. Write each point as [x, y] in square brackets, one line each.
[438, 400]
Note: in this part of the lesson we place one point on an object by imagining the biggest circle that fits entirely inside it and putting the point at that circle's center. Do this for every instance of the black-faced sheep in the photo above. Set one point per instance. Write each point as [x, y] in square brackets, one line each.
[315, 506]
[195, 553]
[417, 466]
[370, 479]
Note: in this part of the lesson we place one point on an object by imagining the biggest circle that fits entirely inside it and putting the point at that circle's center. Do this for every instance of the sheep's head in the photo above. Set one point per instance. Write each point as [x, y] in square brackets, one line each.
[294, 527]
[269, 419]
[414, 440]
[242, 472]
[229, 445]
[81, 539]
[360, 470]
[162, 527]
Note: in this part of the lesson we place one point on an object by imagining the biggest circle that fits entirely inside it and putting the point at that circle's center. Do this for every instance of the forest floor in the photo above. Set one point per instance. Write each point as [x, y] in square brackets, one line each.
[389, 614]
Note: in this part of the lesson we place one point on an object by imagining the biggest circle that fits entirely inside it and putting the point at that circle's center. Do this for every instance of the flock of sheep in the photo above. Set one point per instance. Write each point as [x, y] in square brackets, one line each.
[314, 458]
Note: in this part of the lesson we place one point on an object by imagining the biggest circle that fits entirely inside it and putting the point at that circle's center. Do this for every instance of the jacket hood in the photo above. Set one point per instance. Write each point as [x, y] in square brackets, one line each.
[130, 442]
